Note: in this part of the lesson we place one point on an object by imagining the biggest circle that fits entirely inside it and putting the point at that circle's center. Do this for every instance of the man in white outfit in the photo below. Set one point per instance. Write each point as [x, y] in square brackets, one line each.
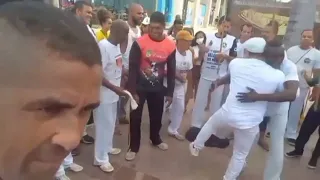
[307, 58]
[246, 32]
[106, 114]
[183, 64]
[83, 11]
[242, 119]
[278, 107]
[220, 49]
[67, 164]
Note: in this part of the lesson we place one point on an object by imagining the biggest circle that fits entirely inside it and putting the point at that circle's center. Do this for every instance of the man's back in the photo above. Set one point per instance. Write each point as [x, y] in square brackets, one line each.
[255, 74]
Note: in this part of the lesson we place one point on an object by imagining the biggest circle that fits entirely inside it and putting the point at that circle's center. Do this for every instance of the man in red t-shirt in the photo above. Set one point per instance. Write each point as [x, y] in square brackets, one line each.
[148, 57]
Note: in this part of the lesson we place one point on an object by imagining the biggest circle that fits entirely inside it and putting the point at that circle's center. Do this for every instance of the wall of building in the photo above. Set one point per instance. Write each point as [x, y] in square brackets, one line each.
[197, 10]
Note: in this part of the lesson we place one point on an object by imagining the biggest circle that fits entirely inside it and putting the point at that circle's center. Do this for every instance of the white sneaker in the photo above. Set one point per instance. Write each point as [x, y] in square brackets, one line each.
[163, 146]
[177, 136]
[194, 151]
[63, 177]
[115, 151]
[107, 167]
[130, 156]
[75, 167]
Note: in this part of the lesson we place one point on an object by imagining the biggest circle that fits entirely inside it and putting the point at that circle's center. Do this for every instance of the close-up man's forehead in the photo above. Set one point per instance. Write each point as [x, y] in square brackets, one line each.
[18, 50]
[308, 33]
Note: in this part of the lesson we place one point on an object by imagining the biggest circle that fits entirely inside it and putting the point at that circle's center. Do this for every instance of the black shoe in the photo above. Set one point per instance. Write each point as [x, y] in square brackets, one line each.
[291, 142]
[312, 163]
[192, 133]
[87, 139]
[293, 154]
[213, 141]
[216, 142]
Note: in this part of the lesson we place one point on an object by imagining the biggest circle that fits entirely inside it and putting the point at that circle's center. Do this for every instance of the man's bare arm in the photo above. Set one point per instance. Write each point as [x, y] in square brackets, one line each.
[288, 94]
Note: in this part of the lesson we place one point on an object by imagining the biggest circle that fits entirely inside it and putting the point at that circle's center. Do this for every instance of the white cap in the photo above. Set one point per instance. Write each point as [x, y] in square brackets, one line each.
[255, 45]
[146, 21]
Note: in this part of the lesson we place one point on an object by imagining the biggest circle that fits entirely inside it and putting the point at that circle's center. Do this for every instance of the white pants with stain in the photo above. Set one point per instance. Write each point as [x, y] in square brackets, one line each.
[177, 108]
[295, 114]
[198, 113]
[105, 119]
[65, 164]
[277, 129]
[243, 141]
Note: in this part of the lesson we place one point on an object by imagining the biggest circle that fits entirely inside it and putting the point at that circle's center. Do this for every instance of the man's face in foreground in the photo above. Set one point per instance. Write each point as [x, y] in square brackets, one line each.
[43, 114]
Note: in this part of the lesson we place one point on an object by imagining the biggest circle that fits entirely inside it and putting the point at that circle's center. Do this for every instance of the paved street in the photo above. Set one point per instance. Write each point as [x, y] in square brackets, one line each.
[178, 164]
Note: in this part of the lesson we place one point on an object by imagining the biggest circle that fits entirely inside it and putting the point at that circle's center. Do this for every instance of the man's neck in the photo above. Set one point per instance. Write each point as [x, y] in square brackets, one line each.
[258, 57]
[112, 41]
[242, 40]
[131, 24]
[221, 34]
[182, 52]
[305, 47]
[157, 39]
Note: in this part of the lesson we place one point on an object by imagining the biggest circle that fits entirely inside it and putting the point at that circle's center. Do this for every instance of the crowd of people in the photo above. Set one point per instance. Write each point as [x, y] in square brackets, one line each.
[68, 73]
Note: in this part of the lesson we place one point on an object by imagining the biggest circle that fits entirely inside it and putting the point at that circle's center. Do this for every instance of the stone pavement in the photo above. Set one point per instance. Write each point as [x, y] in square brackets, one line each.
[178, 164]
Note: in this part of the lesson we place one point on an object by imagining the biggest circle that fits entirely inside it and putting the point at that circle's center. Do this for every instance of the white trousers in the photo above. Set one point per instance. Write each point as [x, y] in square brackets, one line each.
[65, 164]
[274, 164]
[105, 119]
[198, 113]
[243, 141]
[177, 109]
[295, 114]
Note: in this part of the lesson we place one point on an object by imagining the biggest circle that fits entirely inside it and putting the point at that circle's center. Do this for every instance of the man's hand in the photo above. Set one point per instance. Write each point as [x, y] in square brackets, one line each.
[120, 92]
[203, 48]
[315, 94]
[306, 75]
[221, 57]
[148, 72]
[182, 77]
[214, 85]
[125, 72]
[168, 101]
[250, 96]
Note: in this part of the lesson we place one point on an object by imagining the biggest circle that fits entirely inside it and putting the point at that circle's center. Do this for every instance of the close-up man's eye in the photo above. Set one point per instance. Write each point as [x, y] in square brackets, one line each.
[51, 110]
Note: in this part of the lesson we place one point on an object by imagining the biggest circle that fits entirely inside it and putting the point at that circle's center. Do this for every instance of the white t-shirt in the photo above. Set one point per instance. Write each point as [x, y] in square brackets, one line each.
[305, 60]
[291, 74]
[240, 49]
[210, 65]
[112, 69]
[258, 75]
[183, 65]
[132, 37]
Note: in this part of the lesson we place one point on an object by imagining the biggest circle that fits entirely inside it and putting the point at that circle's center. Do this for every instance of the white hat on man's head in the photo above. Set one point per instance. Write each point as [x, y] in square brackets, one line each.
[146, 21]
[255, 45]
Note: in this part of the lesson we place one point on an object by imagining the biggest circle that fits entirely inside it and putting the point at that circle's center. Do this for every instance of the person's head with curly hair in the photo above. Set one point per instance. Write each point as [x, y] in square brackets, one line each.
[105, 19]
